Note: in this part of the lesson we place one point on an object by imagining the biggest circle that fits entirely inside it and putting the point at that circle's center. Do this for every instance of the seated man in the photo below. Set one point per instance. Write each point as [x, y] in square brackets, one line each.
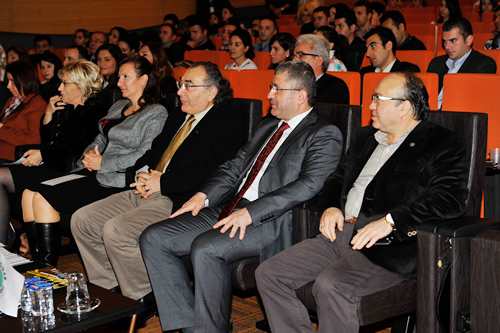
[380, 50]
[267, 29]
[395, 21]
[75, 52]
[401, 170]
[494, 43]
[200, 135]
[460, 57]
[316, 52]
[345, 24]
[199, 38]
[363, 11]
[285, 164]
[228, 28]
[97, 39]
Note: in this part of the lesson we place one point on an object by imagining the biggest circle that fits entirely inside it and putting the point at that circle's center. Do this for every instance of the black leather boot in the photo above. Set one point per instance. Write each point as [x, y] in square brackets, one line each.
[49, 242]
[30, 229]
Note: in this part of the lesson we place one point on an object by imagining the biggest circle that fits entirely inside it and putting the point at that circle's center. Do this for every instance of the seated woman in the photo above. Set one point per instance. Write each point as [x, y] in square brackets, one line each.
[282, 46]
[156, 55]
[417, 4]
[125, 134]
[486, 5]
[68, 126]
[20, 118]
[337, 49]
[227, 13]
[81, 37]
[213, 28]
[108, 57]
[128, 43]
[50, 64]
[241, 50]
[17, 53]
[449, 9]
[115, 33]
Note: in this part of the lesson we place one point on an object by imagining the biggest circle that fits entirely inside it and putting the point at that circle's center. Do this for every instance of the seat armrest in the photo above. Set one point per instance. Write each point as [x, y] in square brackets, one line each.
[305, 220]
[459, 227]
[129, 176]
[20, 150]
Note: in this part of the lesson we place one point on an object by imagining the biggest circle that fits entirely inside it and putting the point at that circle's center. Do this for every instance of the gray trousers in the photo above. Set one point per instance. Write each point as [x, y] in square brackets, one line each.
[107, 234]
[341, 274]
[162, 245]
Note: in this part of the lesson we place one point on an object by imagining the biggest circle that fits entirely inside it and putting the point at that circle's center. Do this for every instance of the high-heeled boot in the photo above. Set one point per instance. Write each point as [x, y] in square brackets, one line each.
[30, 229]
[49, 242]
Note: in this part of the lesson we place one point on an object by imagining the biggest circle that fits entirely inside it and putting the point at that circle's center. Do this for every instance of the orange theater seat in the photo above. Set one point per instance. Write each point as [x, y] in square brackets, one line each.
[217, 41]
[475, 93]
[480, 39]
[284, 21]
[262, 59]
[232, 76]
[371, 80]
[59, 53]
[177, 73]
[495, 54]
[421, 28]
[366, 62]
[420, 58]
[419, 10]
[292, 29]
[474, 17]
[428, 41]
[255, 84]
[419, 18]
[195, 56]
[353, 81]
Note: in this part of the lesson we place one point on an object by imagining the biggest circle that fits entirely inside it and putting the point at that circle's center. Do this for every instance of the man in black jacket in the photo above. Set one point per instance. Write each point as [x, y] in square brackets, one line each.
[395, 21]
[345, 24]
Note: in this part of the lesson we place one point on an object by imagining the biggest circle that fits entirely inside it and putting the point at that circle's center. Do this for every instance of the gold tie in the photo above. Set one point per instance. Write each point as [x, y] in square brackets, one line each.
[175, 144]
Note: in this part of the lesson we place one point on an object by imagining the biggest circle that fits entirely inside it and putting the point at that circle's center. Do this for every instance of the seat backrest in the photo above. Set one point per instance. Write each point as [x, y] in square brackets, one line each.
[255, 84]
[262, 59]
[346, 117]
[353, 81]
[492, 53]
[217, 40]
[429, 42]
[421, 58]
[171, 101]
[253, 110]
[294, 30]
[177, 73]
[205, 55]
[418, 10]
[109, 97]
[473, 127]
[421, 28]
[480, 39]
[417, 18]
[232, 76]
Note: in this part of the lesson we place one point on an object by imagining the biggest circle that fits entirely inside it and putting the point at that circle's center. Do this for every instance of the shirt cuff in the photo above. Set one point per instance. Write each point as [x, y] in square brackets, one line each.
[143, 169]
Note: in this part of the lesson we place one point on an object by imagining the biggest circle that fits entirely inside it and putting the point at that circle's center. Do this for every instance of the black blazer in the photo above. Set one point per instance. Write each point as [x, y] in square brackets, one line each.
[331, 89]
[426, 178]
[214, 140]
[398, 67]
[475, 63]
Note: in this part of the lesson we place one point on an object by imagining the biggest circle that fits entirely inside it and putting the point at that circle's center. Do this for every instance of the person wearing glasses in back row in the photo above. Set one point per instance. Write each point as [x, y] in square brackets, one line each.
[315, 51]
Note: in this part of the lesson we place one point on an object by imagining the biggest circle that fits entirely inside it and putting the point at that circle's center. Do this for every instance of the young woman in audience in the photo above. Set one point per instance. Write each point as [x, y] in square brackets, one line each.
[20, 118]
[241, 50]
[114, 35]
[337, 49]
[67, 127]
[227, 13]
[156, 55]
[282, 46]
[449, 9]
[81, 37]
[17, 53]
[50, 65]
[304, 14]
[108, 58]
[128, 43]
[125, 134]
[213, 24]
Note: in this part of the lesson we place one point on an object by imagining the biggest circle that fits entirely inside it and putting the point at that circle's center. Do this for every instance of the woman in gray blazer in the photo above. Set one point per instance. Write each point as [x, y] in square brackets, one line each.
[125, 134]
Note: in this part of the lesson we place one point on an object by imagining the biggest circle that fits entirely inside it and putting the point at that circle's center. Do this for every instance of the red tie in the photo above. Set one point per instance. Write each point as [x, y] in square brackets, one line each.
[255, 170]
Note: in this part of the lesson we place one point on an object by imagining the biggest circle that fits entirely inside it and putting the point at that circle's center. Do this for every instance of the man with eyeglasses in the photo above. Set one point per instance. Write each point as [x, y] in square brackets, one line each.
[401, 170]
[244, 209]
[198, 136]
[315, 51]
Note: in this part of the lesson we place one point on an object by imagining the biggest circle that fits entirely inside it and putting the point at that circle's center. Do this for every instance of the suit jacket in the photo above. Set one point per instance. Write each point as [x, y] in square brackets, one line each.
[354, 55]
[331, 89]
[398, 67]
[475, 63]
[126, 141]
[296, 173]
[426, 178]
[213, 141]
[22, 126]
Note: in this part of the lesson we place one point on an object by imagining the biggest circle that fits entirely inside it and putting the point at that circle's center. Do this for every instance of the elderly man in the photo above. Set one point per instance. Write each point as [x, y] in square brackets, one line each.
[395, 21]
[381, 50]
[227, 30]
[200, 135]
[460, 57]
[316, 52]
[401, 170]
[75, 52]
[250, 197]
[267, 29]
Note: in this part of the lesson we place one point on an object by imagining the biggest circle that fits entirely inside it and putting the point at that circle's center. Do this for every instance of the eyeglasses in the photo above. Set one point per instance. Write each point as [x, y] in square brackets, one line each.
[299, 55]
[377, 98]
[67, 83]
[275, 89]
[190, 87]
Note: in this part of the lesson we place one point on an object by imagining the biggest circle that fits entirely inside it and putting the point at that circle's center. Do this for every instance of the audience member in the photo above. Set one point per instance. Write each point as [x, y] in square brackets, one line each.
[304, 14]
[66, 128]
[345, 24]
[228, 29]
[20, 118]
[115, 33]
[128, 43]
[199, 39]
[122, 139]
[108, 57]
[75, 52]
[261, 200]
[246, 25]
[255, 26]
[156, 55]
[449, 9]
[171, 19]
[97, 39]
[205, 7]
[227, 13]
[356, 200]
[460, 57]
[417, 4]
[332, 10]
[168, 35]
[395, 21]
[316, 52]
[393, 4]
[42, 43]
[320, 17]
[241, 51]
[81, 37]
[149, 36]
[336, 47]
[50, 64]
[267, 29]
[282, 47]
[188, 22]
[280, 7]
[363, 12]
[198, 136]
[380, 49]
[17, 53]
[493, 43]
[378, 9]
[213, 24]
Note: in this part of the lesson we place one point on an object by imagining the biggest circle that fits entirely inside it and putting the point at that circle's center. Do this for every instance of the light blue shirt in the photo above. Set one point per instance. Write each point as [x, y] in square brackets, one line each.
[451, 70]
[258, 47]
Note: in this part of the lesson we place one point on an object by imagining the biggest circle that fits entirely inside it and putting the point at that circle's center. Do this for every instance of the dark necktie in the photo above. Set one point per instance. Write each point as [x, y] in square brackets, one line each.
[259, 162]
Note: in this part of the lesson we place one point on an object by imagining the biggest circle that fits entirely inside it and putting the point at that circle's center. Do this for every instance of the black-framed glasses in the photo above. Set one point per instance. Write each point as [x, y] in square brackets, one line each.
[275, 89]
[300, 54]
[377, 98]
[190, 87]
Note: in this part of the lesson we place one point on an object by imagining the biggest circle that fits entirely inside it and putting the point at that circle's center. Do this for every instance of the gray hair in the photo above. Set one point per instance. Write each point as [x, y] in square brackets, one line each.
[320, 46]
[300, 75]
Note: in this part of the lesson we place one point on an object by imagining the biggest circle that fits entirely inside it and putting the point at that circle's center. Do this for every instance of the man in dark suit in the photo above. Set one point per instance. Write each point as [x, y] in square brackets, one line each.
[203, 133]
[380, 49]
[345, 24]
[395, 21]
[316, 52]
[402, 170]
[460, 57]
[285, 164]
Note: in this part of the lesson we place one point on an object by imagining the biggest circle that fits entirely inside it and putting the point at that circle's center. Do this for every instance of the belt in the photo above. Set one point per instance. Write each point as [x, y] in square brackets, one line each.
[353, 220]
